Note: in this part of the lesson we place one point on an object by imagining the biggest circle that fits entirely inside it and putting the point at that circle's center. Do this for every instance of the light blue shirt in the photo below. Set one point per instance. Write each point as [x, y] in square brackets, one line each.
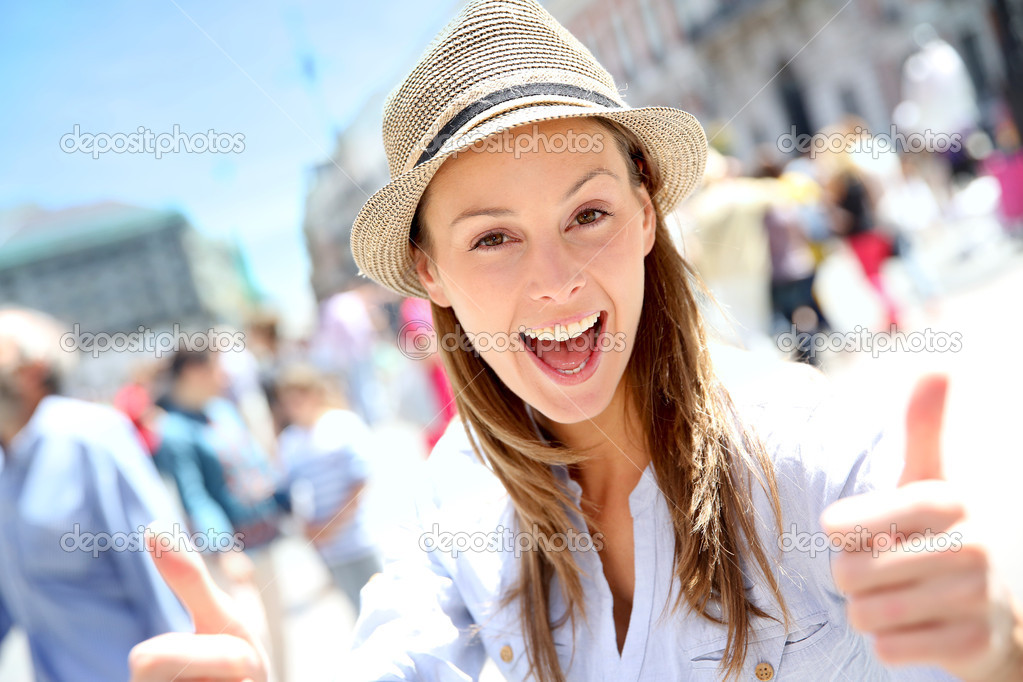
[225, 479]
[79, 468]
[432, 615]
[324, 464]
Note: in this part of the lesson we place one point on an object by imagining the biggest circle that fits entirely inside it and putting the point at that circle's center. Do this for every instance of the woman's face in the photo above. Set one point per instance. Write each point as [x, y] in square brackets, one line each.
[529, 240]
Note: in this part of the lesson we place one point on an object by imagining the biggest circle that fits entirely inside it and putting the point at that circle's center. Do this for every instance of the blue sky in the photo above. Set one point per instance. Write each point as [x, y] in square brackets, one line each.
[233, 67]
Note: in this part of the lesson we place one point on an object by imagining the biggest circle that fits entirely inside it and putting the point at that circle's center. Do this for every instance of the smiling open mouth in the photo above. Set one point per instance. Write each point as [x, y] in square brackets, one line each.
[566, 349]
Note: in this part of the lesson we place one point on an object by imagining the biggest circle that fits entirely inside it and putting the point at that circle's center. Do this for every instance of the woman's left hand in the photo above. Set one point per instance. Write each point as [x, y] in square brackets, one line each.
[918, 580]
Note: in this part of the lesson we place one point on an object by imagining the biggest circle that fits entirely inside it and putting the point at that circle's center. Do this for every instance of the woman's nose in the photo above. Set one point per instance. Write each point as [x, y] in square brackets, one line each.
[555, 272]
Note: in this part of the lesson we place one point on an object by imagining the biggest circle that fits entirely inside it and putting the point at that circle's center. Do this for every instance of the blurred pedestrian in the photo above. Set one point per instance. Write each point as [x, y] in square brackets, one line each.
[326, 452]
[853, 196]
[728, 247]
[417, 321]
[225, 480]
[793, 262]
[73, 475]
[344, 345]
[909, 206]
[245, 387]
[263, 342]
[939, 99]
[135, 400]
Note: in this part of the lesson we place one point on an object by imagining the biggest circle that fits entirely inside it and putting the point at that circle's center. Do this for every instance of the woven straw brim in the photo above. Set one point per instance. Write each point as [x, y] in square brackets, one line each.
[673, 140]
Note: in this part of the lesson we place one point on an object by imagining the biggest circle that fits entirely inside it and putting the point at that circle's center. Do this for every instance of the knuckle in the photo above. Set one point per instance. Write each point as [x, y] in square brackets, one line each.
[250, 662]
[842, 572]
[954, 507]
[974, 556]
[857, 614]
[140, 659]
[944, 508]
[978, 589]
[974, 637]
[893, 608]
[886, 650]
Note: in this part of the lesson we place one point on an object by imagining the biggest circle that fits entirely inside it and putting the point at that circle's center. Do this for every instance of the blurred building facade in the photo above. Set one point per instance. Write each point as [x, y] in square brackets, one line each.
[723, 60]
[338, 189]
[110, 267]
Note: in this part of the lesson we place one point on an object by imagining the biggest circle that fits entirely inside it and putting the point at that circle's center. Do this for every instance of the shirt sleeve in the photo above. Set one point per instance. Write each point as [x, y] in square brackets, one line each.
[5, 620]
[131, 495]
[414, 623]
[286, 455]
[178, 456]
[359, 442]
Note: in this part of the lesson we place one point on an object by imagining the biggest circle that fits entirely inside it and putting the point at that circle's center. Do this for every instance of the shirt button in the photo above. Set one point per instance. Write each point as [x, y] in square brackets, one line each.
[764, 671]
[506, 654]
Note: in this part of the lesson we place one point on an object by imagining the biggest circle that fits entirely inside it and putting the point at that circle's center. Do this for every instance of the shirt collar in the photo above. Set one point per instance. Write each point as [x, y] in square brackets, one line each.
[645, 492]
[21, 444]
[168, 404]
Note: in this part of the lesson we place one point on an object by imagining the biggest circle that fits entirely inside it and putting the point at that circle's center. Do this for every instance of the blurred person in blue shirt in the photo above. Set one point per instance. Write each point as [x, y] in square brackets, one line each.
[225, 478]
[76, 490]
[227, 486]
[325, 453]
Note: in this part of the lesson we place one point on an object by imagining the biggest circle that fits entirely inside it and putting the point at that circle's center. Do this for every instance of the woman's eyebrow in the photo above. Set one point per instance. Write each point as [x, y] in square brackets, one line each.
[504, 212]
[474, 212]
[586, 178]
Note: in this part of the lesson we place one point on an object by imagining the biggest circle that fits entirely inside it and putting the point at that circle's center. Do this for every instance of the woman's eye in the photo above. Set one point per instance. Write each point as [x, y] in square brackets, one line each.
[590, 215]
[492, 240]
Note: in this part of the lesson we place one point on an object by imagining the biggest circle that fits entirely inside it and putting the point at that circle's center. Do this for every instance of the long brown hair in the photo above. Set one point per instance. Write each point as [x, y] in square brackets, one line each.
[704, 458]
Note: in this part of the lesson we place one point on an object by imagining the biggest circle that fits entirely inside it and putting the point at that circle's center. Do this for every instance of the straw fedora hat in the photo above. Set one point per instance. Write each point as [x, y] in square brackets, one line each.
[497, 65]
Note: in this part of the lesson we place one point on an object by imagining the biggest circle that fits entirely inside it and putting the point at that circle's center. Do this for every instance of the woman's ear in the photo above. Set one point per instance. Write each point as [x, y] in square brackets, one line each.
[426, 269]
[649, 214]
[649, 227]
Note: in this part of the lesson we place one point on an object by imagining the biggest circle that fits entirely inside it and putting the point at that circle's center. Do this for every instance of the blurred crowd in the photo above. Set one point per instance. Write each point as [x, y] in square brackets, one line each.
[761, 237]
[787, 242]
[236, 448]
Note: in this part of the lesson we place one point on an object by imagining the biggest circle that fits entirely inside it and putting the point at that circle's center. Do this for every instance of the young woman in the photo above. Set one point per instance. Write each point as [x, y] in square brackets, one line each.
[641, 516]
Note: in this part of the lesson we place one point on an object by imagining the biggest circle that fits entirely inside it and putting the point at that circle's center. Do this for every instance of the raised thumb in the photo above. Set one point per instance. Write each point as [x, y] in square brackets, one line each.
[185, 572]
[923, 430]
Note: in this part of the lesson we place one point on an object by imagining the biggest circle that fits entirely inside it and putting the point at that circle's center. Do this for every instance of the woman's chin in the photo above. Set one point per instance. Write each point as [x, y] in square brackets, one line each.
[564, 406]
[559, 414]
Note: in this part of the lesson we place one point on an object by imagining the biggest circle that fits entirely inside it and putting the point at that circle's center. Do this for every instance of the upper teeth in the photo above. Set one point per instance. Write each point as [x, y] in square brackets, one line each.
[562, 333]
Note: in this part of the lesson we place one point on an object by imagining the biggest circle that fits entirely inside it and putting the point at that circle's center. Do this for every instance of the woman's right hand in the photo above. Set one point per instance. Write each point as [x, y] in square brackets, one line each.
[221, 649]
